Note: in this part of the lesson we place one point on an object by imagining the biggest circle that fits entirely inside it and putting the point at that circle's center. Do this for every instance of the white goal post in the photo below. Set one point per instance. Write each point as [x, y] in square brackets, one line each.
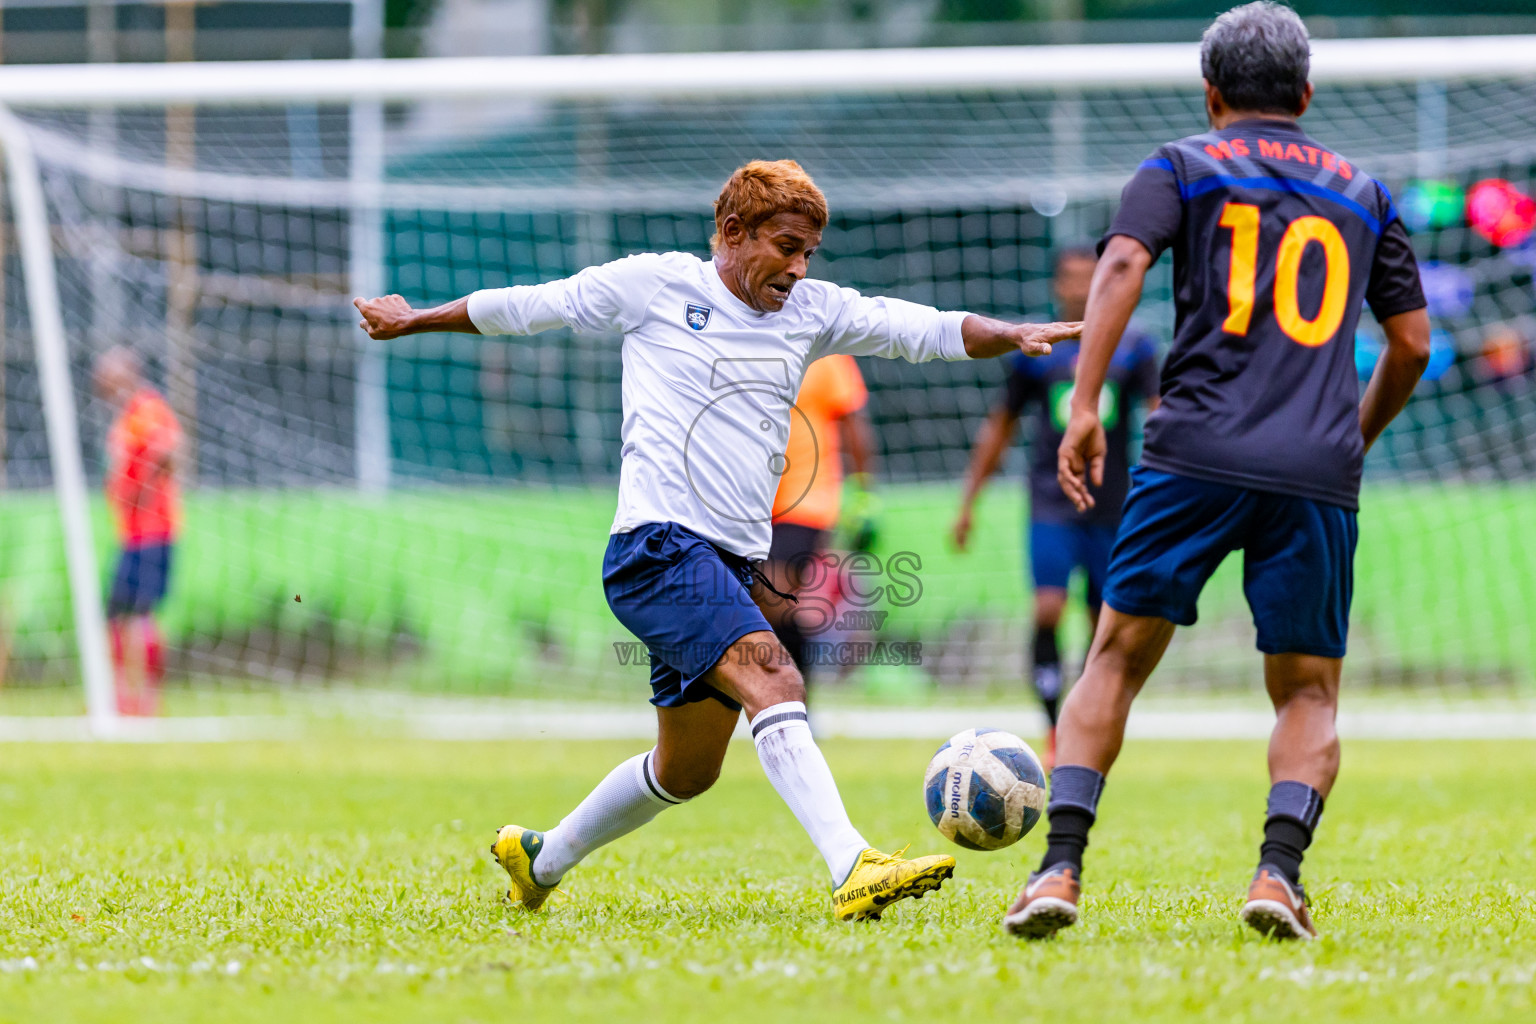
[59, 409]
[1068, 74]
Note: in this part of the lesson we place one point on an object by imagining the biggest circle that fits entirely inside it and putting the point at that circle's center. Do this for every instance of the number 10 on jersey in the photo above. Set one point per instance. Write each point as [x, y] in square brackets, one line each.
[1243, 272]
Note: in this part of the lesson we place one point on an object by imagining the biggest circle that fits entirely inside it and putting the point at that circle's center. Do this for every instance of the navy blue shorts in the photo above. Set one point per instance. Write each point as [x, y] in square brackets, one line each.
[686, 599]
[1298, 558]
[139, 584]
[1055, 549]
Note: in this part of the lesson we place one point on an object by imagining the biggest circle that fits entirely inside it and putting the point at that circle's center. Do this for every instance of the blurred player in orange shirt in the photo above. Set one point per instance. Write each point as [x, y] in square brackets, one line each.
[142, 445]
[829, 421]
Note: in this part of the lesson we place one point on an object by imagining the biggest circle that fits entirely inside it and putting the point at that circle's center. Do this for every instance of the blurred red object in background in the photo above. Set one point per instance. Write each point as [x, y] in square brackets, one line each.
[1506, 352]
[1500, 212]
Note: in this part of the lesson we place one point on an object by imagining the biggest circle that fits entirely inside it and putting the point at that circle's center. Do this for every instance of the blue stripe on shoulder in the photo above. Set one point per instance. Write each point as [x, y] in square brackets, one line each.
[1156, 164]
[1188, 190]
[1392, 213]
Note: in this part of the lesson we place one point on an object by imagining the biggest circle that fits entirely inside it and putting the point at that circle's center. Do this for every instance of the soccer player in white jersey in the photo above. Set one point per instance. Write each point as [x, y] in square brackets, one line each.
[713, 355]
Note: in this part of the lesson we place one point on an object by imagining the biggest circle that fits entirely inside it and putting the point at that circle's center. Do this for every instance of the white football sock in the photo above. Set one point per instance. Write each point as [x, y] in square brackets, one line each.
[629, 797]
[797, 770]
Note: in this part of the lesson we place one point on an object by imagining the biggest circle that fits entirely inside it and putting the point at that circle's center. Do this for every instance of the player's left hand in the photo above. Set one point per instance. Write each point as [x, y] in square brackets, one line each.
[1081, 457]
[1037, 339]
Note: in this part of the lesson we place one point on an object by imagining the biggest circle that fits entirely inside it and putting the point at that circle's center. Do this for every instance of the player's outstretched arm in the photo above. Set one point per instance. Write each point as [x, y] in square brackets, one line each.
[992, 441]
[889, 328]
[597, 300]
[390, 316]
[1112, 299]
[986, 338]
[1397, 372]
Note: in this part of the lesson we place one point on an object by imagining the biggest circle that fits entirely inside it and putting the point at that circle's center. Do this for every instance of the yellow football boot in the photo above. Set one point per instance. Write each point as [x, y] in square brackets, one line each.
[514, 849]
[879, 879]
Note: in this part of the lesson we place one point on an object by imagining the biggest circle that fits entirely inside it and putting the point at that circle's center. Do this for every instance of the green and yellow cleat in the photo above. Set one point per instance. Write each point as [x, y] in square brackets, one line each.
[879, 879]
[514, 849]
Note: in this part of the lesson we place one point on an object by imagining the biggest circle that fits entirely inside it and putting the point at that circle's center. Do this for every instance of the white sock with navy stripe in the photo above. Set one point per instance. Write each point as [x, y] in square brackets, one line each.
[629, 797]
[799, 772]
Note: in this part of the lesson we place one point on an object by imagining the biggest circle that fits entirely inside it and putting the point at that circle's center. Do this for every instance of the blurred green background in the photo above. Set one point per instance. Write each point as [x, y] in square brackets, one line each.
[499, 592]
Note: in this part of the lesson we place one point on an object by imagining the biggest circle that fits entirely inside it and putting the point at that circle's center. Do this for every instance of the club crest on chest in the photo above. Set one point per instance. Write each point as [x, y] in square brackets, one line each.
[696, 316]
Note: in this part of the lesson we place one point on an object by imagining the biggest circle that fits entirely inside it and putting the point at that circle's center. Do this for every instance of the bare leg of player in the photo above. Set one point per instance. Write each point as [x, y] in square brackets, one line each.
[144, 638]
[691, 742]
[1305, 744]
[132, 696]
[1303, 764]
[780, 611]
[1125, 650]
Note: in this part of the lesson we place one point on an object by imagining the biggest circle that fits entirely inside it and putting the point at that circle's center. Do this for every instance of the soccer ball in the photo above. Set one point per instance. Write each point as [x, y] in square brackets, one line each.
[985, 789]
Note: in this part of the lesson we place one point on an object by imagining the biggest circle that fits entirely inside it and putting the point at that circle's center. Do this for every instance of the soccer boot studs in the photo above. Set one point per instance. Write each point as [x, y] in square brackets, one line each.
[1276, 907]
[879, 879]
[515, 849]
[1046, 906]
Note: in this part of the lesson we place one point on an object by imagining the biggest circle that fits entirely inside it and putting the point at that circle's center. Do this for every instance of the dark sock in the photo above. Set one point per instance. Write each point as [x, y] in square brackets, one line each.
[1074, 805]
[1284, 843]
[1067, 839]
[1293, 813]
[1047, 672]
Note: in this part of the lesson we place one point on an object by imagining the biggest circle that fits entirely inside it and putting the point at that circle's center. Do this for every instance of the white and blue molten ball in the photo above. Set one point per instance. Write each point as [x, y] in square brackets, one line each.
[985, 789]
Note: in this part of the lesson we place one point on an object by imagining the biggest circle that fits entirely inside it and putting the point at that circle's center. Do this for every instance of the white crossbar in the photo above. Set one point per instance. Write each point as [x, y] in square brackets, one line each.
[721, 75]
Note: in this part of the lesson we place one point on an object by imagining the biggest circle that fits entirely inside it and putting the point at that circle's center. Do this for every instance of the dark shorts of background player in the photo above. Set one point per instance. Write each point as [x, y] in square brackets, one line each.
[686, 599]
[1298, 558]
[795, 546]
[140, 581]
[1055, 549]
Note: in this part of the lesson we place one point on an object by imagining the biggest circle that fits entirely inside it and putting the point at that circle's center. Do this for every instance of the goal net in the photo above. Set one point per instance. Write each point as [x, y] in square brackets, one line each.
[428, 516]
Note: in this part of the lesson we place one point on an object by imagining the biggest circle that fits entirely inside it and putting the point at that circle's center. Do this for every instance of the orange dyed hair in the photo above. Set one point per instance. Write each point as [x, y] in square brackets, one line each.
[762, 188]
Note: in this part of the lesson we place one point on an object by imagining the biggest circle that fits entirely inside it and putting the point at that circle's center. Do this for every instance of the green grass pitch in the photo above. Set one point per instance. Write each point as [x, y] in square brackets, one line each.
[351, 881]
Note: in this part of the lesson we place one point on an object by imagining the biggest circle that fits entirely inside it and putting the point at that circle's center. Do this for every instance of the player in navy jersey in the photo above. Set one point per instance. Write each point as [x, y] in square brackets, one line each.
[1061, 538]
[1257, 446]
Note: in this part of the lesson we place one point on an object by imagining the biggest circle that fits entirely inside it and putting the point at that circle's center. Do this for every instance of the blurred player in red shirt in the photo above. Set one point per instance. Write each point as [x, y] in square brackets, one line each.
[142, 445]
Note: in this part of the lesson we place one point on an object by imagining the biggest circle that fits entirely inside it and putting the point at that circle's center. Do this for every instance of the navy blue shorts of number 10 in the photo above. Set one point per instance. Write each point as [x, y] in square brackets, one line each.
[1298, 558]
[686, 599]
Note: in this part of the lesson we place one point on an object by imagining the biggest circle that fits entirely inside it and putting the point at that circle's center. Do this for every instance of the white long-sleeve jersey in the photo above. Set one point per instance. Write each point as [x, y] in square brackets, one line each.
[709, 383]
